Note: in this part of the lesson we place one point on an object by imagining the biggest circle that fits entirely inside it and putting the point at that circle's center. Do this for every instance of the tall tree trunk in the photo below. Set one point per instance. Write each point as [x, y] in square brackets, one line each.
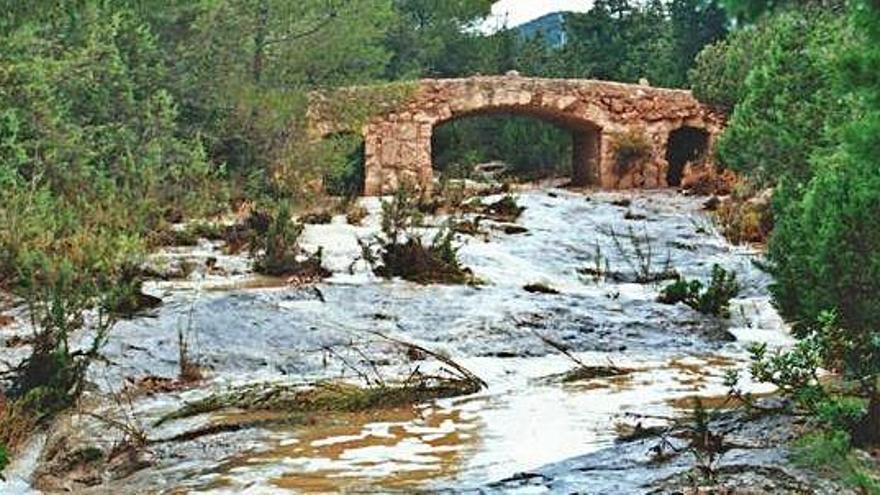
[867, 431]
[260, 37]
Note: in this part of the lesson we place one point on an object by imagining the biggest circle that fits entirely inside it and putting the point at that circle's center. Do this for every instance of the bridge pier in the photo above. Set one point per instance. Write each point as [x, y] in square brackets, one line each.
[397, 154]
[586, 156]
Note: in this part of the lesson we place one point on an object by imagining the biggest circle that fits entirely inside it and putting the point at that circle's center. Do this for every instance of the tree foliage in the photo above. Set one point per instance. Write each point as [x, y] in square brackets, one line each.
[791, 105]
[807, 116]
[618, 40]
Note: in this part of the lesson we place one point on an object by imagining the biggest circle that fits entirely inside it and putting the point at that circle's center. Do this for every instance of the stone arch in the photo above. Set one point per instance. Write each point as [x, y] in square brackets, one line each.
[398, 136]
[685, 145]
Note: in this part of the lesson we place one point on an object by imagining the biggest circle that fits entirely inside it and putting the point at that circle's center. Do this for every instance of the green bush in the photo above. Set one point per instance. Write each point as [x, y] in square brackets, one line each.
[400, 251]
[4, 460]
[277, 250]
[810, 120]
[346, 166]
[830, 453]
[681, 291]
[533, 148]
[630, 149]
[714, 300]
[825, 250]
[789, 106]
[825, 254]
[720, 70]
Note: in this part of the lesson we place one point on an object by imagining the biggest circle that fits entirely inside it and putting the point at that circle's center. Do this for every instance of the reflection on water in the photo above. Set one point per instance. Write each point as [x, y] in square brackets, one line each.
[390, 449]
[521, 423]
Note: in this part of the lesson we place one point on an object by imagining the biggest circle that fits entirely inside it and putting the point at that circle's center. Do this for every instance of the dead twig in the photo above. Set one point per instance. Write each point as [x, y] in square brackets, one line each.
[461, 370]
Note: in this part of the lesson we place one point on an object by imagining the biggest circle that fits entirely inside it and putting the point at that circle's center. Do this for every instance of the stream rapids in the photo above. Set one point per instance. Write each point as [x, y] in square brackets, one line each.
[249, 329]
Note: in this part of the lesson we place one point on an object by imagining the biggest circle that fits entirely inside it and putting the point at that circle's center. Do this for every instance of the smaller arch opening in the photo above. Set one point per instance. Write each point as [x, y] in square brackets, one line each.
[685, 145]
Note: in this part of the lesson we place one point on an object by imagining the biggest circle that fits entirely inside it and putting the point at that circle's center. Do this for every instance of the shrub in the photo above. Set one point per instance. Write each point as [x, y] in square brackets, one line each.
[4, 460]
[824, 252]
[719, 73]
[714, 300]
[746, 220]
[355, 214]
[630, 149]
[402, 251]
[278, 253]
[505, 209]
[346, 166]
[830, 452]
[722, 288]
[319, 217]
[681, 291]
[58, 295]
[639, 255]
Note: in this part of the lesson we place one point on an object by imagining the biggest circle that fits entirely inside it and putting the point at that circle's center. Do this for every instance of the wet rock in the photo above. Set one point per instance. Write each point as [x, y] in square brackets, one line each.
[469, 227]
[505, 209]
[540, 288]
[70, 470]
[630, 433]
[490, 170]
[19, 340]
[682, 246]
[622, 203]
[631, 215]
[173, 269]
[136, 304]
[585, 373]
[127, 460]
[267, 331]
[712, 203]
[322, 217]
[629, 277]
[151, 385]
[511, 229]
[6, 320]
[292, 400]
[414, 354]
[505, 354]
[630, 466]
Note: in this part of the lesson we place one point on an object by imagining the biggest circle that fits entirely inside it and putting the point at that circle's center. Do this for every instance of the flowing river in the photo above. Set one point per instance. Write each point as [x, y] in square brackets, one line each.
[246, 329]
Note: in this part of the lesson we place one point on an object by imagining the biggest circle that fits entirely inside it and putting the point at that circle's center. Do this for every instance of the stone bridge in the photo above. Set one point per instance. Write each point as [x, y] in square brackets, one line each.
[623, 135]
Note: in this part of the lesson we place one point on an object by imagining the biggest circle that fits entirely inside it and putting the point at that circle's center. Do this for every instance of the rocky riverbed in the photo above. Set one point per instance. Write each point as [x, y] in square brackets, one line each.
[531, 430]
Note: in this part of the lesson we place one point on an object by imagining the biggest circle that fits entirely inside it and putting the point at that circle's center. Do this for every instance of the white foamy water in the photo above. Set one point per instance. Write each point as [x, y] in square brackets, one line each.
[251, 330]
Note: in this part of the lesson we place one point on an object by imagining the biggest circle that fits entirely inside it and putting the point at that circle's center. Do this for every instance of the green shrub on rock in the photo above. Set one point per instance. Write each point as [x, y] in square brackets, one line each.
[681, 291]
[630, 149]
[714, 300]
[400, 251]
[278, 252]
[4, 460]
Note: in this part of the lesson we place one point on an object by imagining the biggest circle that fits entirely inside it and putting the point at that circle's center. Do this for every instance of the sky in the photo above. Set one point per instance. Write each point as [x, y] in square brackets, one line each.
[517, 12]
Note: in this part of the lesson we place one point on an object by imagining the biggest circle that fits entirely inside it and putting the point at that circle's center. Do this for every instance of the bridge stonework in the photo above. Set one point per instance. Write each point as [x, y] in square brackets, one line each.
[598, 114]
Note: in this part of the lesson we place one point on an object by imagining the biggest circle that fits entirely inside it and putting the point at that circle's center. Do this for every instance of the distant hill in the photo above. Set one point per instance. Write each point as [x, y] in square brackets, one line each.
[551, 26]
